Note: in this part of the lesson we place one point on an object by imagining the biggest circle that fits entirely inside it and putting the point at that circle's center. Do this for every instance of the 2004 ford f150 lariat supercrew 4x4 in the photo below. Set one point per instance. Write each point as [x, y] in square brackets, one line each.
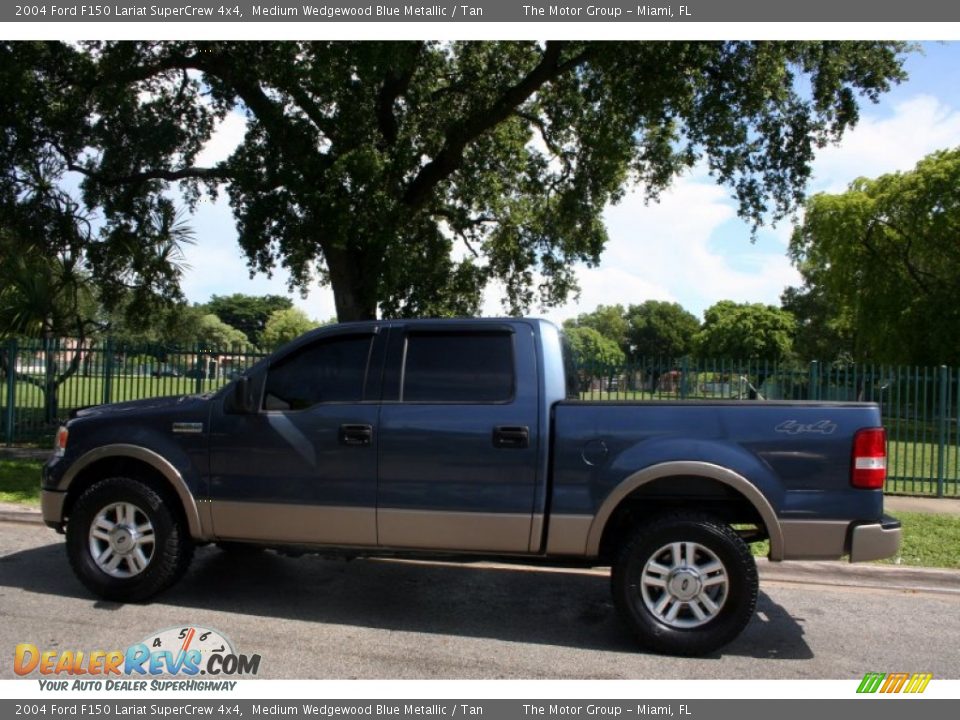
[466, 438]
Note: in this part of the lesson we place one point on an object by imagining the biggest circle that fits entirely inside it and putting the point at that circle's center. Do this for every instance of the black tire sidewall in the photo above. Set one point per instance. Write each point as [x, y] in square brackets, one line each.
[742, 589]
[158, 572]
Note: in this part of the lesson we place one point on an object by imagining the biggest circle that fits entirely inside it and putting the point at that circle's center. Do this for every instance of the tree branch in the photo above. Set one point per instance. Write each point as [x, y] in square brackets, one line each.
[459, 135]
[223, 67]
[395, 84]
[156, 174]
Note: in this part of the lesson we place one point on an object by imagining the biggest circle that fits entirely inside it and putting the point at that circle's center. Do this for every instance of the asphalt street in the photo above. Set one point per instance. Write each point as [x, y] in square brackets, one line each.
[319, 618]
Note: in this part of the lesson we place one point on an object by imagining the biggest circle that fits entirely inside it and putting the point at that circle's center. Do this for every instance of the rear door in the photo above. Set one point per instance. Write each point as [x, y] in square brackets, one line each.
[458, 438]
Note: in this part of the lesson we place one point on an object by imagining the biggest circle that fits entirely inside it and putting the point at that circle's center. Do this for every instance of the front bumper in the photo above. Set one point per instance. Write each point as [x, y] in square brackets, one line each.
[875, 541]
[51, 508]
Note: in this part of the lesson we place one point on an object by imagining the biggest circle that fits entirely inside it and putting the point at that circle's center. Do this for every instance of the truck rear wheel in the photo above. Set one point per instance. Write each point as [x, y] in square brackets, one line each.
[124, 542]
[686, 584]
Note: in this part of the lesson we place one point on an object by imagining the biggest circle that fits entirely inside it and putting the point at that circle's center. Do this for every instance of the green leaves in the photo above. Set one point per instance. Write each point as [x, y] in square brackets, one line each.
[592, 350]
[286, 325]
[410, 175]
[746, 331]
[885, 259]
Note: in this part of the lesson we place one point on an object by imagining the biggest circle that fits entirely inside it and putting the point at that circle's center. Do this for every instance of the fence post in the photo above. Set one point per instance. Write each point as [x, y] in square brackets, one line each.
[684, 366]
[11, 390]
[943, 413]
[201, 370]
[814, 392]
[107, 371]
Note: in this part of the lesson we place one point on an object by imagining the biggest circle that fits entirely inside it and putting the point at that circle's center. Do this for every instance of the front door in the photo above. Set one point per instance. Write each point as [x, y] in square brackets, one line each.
[303, 469]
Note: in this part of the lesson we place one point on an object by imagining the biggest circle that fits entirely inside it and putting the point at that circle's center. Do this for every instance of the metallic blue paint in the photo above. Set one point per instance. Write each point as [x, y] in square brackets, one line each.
[440, 457]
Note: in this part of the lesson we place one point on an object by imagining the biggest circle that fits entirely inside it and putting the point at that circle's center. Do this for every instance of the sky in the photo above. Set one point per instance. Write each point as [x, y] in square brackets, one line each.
[689, 248]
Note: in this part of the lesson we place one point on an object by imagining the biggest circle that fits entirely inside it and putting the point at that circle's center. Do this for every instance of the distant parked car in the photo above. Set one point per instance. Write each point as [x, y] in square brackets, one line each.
[166, 372]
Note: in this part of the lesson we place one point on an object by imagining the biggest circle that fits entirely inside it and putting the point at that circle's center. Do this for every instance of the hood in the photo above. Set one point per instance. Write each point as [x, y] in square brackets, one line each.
[182, 402]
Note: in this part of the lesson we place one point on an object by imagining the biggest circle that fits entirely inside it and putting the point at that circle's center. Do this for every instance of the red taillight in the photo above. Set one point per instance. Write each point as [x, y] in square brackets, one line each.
[869, 467]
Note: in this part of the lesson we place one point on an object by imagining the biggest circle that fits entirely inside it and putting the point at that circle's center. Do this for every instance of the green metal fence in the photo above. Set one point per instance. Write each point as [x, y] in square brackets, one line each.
[919, 405]
[41, 381]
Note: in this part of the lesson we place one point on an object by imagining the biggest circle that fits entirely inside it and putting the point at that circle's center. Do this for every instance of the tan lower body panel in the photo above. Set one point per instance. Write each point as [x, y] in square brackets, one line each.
[441, 530]
[814, 539]
[275, 522]
[567, 534]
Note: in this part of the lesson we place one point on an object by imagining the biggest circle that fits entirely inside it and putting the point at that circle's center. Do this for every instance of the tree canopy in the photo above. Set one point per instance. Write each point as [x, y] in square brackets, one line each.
[664, 329]
[409, 175]
[746, 331]
[214, 332]
[285, 325]
[593, 350]
[886, 255]
[248, 313]
[608, 320]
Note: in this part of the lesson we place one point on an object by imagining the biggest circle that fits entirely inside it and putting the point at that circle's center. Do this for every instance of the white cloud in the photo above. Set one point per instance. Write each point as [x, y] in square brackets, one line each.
[226, 136]
[218, 266]
[674, 250]
[879, 145]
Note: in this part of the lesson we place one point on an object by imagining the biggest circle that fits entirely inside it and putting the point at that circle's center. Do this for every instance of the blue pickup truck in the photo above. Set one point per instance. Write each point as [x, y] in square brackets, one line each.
[467, 438]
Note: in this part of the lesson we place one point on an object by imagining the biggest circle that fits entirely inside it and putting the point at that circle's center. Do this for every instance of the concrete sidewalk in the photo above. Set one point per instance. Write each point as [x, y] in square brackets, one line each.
[937, 506]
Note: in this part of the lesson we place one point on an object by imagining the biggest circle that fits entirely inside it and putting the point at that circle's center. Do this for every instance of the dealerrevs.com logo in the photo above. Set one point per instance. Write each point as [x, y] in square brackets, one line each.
[186, 652]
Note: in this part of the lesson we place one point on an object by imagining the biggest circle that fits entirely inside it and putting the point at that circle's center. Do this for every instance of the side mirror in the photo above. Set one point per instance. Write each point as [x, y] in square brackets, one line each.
[242, 398]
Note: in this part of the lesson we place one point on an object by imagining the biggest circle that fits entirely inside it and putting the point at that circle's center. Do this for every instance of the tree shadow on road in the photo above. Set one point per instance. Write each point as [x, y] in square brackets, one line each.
[523, 604]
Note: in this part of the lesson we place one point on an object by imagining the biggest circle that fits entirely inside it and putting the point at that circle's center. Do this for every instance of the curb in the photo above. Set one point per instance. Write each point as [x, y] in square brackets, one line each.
[10, 513]
[884, 577]
[835, 573]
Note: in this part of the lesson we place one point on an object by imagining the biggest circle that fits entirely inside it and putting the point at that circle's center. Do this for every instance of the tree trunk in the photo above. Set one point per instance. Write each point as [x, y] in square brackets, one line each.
[354, 286]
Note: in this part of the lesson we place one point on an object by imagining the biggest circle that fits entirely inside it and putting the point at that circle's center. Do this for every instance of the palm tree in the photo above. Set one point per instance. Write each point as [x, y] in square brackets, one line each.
[47, 286]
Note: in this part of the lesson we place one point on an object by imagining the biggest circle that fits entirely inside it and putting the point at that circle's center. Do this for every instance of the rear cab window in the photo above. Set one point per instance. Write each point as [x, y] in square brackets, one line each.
[457, 367]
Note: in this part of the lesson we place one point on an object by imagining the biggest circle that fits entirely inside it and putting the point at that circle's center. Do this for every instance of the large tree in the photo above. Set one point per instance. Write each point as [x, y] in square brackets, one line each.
[608, 320]
[408, 175]
[824, 329]
[661, 329]
[746, 331]
[248, 313]
[593, 351]
[286, 325]
[885, 256]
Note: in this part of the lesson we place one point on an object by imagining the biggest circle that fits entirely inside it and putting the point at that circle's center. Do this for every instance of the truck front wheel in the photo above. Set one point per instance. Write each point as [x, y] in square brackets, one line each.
[686, 584]
[124, 542]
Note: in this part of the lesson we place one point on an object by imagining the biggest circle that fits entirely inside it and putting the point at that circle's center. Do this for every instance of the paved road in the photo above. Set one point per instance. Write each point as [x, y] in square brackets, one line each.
[316, 618]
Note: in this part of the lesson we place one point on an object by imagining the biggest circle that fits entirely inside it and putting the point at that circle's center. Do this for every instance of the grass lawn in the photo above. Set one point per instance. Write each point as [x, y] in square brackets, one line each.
[20, 481]
[929, 540]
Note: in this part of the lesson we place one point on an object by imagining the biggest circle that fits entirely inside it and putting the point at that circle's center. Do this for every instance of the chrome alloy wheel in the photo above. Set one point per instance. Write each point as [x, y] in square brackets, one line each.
[684, 585]
[122, 540]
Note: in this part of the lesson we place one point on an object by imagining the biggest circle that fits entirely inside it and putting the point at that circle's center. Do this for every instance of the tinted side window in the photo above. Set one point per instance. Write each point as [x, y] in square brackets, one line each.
[331, 370]
[458, 367]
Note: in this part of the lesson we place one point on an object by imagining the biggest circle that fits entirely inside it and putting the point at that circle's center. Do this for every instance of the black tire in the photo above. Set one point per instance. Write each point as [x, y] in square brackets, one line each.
[687, 633]
[168, 559]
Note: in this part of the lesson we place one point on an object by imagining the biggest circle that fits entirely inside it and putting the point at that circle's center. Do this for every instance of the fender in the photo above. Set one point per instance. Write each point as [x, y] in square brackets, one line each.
[688, 468]
[154, 460]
